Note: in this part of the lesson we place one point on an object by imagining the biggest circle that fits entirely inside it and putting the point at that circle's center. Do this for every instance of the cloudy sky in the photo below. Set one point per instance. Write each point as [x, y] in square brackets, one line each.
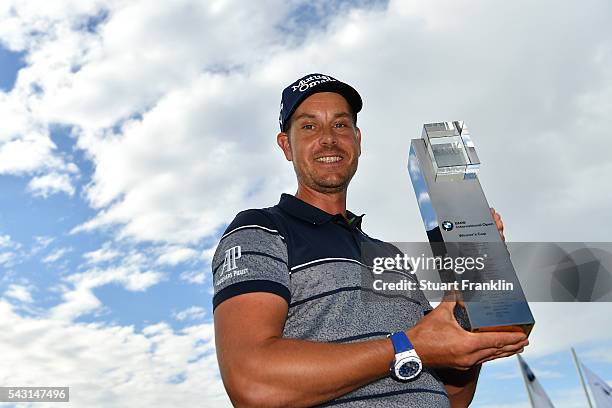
[132, 133]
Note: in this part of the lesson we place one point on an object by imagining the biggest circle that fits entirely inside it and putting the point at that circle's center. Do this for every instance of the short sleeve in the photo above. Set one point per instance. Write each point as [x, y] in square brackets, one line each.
[251, 257]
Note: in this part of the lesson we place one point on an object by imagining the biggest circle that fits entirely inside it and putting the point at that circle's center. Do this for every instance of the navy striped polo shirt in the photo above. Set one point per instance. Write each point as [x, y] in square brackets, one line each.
[313, 260]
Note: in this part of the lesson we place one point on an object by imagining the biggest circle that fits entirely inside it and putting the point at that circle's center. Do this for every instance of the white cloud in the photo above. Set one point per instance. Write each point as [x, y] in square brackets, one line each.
[40, 243]
[132, 272]
[20, 156]
[7, 242]
[550, 333]
[25, 145]
[175, 255]
[43, 241]
[75, 302]
[19, 292]
[191, 313]
[51, 183]
[136, 186]
[153, 65]
[142, 52]
[598, 354]
[6, 257]
[124, 362]
[104, 254]
[96, 80]
[79, 299]
[131, 278]
[56, 255]
[208, 254]
[10, 251]
[196, 277]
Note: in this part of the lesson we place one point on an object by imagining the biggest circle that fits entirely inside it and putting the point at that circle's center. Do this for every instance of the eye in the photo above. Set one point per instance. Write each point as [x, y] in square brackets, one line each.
[340, 125]
[308, 126]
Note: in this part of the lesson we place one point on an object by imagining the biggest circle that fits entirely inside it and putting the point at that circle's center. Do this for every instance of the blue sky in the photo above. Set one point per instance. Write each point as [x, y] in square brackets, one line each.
[10, 62]
[133, 134]
[26, 219]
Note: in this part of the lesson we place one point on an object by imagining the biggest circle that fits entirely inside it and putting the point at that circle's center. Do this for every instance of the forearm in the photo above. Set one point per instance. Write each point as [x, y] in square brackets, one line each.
[297, 373]
[460, 385]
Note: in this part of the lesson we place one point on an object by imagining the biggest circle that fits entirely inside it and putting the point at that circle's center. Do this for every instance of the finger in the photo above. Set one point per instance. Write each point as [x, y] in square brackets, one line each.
[495, 358]
[496, 215]
[496, 352]
[503, 355]
[497, 219]
[496, 339]
[492, 354]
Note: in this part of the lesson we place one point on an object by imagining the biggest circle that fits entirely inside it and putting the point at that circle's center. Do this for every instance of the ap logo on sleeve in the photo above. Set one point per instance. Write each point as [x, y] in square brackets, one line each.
[231, 255]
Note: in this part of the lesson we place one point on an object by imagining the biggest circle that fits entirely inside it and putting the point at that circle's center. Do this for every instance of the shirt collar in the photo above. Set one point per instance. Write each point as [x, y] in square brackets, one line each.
[312, 214]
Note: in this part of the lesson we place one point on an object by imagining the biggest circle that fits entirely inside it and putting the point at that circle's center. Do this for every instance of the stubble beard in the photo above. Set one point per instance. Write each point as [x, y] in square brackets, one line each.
[325, 185]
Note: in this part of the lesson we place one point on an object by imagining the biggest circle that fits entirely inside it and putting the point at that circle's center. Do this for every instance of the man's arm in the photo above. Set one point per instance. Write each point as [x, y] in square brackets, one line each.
[261, 368]
[460, 385]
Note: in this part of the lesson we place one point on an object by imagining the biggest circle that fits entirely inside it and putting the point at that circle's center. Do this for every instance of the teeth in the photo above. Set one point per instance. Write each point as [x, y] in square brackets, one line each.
[329, 159]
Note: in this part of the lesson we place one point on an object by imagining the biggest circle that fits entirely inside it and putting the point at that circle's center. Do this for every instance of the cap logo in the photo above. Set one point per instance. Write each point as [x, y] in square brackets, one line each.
[295, 93]
[311, 81]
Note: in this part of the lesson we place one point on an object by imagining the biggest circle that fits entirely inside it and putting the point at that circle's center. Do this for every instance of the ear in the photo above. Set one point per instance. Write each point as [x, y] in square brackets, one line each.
[358, 138]
[282, 139]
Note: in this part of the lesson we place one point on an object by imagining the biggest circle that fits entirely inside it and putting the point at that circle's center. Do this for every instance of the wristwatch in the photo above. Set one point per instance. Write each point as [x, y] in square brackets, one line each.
[407, 364]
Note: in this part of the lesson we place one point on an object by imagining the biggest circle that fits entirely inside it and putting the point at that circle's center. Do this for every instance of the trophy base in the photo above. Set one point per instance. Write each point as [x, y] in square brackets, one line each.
[462, 317]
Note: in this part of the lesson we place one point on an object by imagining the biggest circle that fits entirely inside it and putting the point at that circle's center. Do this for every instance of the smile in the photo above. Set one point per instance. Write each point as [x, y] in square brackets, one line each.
[329, 159]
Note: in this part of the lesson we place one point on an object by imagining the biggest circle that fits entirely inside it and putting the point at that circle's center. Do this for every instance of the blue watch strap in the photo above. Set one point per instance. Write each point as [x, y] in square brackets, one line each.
[400, 342]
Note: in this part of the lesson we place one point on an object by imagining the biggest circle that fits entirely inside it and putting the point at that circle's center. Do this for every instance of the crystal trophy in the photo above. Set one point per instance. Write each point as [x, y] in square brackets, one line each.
[443, 166]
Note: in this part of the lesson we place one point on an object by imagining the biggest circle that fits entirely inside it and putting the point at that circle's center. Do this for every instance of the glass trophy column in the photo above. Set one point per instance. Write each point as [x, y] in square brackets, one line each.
[443, 167]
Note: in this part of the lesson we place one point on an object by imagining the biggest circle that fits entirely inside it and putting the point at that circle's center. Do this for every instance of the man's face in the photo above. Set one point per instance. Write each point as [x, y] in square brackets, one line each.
[323, 143]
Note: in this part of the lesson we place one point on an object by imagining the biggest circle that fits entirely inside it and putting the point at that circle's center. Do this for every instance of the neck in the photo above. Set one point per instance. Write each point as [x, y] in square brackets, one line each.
[332, 203]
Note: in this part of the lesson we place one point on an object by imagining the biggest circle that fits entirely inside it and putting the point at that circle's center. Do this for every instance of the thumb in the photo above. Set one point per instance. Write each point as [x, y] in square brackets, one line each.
[450, 298]
[447, 304]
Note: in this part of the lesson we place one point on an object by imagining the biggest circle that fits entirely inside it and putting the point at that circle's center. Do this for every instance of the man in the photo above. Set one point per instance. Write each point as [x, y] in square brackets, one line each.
[292, 328]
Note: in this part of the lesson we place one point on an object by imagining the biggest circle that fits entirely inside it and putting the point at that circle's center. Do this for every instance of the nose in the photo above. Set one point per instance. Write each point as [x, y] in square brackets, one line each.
[328, 137]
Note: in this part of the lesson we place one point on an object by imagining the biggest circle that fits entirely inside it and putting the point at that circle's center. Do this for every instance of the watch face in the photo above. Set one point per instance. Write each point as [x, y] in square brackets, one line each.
[409, 369]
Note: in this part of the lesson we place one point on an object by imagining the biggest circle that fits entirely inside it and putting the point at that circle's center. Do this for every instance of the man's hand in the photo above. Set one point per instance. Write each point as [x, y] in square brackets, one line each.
[441, 342]
[498, 223]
